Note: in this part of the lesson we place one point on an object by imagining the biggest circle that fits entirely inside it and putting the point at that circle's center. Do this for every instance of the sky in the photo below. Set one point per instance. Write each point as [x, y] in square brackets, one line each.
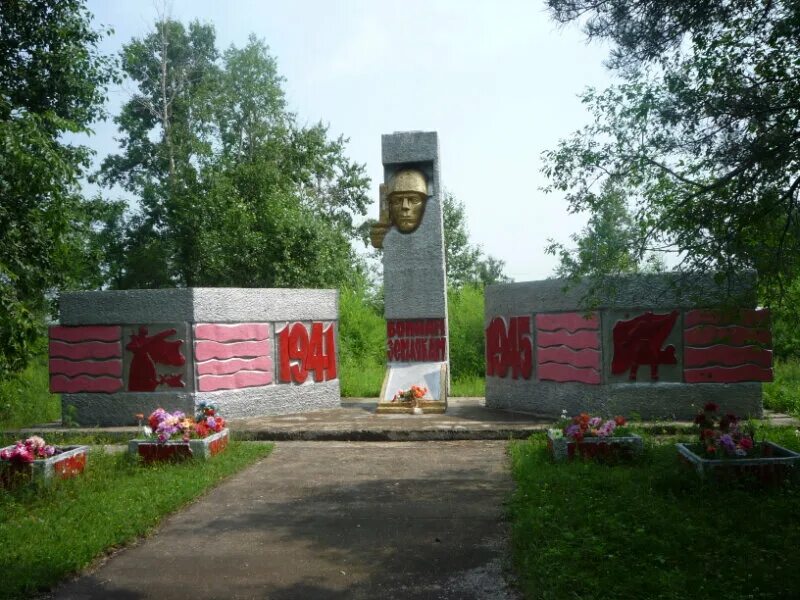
[499, 82]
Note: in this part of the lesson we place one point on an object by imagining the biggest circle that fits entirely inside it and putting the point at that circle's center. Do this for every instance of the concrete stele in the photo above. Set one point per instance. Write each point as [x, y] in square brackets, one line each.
[414, 278]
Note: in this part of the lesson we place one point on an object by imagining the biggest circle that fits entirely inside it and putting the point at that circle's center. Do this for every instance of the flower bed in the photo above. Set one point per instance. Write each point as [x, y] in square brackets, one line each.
[204, 448]
[768, 463]
[202, 437]
[726, 450]
[592, 438]
[35, 461]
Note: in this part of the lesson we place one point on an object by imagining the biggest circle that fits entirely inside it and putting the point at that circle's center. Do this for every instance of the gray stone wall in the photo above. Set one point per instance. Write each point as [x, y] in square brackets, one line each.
[669, 397]
[182, 309]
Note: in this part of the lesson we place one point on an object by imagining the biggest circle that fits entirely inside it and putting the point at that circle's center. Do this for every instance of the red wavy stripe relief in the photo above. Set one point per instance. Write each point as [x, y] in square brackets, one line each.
[728, 356]
[204, 350]
[576, 341]
[565, 373]
[231, 333]
[60, 384]
[745, 318]
[60, 366]
[738, 374]
[85, 350]
[234, 365]
[243, 379]
[703, 335]
[586, 358]
[571, 322]
[86, 333]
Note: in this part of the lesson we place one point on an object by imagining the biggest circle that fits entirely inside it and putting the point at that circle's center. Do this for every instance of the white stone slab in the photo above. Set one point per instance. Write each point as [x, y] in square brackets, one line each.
[402, 375]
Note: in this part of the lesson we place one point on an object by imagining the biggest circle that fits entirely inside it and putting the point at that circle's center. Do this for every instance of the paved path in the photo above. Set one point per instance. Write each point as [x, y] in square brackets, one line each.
[331, 520]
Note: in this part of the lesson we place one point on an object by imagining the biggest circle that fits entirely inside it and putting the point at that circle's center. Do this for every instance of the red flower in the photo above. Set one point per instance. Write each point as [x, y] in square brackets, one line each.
[711, 449]
[706, 434]
[578, 436]
[711, 407]
[620, 421]
[746, 443]
[700, 419]
[201, 429]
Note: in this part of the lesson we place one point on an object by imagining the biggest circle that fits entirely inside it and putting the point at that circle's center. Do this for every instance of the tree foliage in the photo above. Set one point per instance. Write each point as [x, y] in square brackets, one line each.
[465, 262]
[701, 137]
[52, 82]
[231, 190]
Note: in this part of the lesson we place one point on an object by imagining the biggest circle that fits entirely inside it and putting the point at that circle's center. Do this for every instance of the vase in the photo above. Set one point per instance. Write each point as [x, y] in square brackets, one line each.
[203, 448]
[605, 449]
[770, 464]
[66, 465]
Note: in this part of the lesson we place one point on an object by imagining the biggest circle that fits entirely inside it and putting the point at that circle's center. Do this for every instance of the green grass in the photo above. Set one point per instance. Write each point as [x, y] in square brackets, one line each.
[468, 386]
[650, 530]
[25, 399]
[50, 533]
[783, 394]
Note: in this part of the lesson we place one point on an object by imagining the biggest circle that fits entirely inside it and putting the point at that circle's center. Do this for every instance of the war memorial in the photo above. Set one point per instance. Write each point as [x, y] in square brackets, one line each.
[648, 349]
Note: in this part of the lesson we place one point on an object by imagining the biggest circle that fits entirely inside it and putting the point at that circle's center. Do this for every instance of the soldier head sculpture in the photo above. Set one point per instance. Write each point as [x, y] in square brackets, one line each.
[402, 204]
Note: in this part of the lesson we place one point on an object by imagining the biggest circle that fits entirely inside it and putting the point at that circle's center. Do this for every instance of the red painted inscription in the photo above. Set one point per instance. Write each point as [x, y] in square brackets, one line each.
[509, 348]
[421, 340]
[300, 353]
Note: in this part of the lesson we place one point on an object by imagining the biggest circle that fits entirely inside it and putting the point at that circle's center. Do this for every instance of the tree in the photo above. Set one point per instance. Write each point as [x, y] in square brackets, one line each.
[604, 246]
[701, 135]
[232, 191]
[52, 82]
[465, 262]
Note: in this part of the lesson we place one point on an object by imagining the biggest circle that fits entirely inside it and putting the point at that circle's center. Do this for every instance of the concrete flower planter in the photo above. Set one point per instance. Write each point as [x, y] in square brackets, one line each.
[70, 463]
[608, 449]
[775, 465]
[152, 451]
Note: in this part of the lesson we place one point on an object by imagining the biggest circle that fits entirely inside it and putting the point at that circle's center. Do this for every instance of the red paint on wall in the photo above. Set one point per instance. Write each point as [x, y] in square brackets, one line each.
[84, 350]
[302, 354]
[217, 332]
[60, 366]
[576, 341]
[234, 365]
[585, 358]
[564, 373]
[738, 374]
[60, 384]
[570, 322]
[86, 333]
[148, 351]
[509, 347]
[744, 317]
[638, 341]
[416, 340]
[704, 335]
[205, 350]
[242, 379]
[727, 356]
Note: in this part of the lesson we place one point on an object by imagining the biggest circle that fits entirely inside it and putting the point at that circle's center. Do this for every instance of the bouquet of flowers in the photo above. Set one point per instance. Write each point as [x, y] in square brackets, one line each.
[413, 394]
[207, 420]
[724, 436]
[163, 425]
[584, 425]
[29, 450]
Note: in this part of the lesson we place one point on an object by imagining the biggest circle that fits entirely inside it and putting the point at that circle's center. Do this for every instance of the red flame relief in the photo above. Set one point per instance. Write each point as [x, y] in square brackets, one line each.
[638, 342]
[148, 351]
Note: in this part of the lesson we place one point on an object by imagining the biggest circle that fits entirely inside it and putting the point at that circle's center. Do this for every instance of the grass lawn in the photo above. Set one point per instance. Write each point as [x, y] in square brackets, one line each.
[50, 533]
[650, 530]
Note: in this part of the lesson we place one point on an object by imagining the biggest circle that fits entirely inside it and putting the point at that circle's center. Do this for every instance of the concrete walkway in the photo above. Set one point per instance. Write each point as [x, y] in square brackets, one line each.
[331, 520]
